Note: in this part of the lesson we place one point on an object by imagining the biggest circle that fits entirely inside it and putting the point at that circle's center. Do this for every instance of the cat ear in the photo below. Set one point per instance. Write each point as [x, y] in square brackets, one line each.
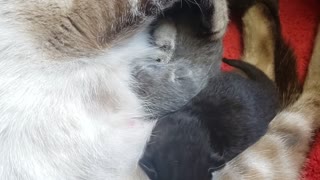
[147, 166]
[216, 163]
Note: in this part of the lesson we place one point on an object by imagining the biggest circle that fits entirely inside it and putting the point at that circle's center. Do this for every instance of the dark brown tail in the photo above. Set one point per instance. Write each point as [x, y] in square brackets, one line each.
[250, 70]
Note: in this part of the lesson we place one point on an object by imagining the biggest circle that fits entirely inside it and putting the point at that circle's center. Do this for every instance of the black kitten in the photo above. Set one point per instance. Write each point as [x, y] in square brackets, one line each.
[231, 113]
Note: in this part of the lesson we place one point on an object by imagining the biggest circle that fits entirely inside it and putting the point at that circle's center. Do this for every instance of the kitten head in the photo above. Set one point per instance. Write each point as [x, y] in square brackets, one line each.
[180, 150]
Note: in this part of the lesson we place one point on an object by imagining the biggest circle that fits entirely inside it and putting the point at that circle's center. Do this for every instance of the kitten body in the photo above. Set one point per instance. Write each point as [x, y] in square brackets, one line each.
[227, 116]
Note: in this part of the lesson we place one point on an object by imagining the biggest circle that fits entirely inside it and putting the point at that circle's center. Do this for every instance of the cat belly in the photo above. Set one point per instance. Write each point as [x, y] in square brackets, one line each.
[60, 127]
[74, 118]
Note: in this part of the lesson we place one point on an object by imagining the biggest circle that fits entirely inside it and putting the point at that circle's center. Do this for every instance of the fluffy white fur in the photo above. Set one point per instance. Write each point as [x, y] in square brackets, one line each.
[68, 119]
[67, 111]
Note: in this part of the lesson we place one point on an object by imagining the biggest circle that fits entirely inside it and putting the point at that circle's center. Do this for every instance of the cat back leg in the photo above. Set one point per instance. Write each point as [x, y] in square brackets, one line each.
[265, 47]
[313, 78]
[281, 153]
[258, 39]
[215, 17]
[220, 18]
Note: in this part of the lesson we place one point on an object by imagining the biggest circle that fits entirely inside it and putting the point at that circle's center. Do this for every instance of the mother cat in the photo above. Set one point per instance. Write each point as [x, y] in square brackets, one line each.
[66, 107]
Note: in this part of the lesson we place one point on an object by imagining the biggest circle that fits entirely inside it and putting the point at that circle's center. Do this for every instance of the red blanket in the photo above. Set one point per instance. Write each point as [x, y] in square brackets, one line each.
[299, 20]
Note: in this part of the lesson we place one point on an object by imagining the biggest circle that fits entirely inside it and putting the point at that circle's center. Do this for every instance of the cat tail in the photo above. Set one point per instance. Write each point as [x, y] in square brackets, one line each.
[250, 70]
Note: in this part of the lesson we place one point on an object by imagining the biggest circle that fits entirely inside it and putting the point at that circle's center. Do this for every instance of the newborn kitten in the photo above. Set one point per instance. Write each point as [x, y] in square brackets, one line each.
[180, 65]
[231, 113]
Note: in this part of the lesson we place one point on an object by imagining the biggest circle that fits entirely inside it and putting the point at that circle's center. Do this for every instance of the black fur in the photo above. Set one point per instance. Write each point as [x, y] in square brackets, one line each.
[231, 113]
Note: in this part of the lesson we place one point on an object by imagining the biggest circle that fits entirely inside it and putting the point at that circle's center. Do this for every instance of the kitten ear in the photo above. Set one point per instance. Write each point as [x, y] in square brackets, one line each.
[217, 163]
[147, 166]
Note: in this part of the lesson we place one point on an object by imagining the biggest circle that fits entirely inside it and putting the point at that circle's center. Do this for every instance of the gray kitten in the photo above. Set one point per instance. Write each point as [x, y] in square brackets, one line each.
[180, 66]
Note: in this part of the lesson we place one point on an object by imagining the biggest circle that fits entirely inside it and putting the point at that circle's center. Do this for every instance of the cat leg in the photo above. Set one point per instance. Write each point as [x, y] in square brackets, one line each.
[281, 153]
[215, 17]
[313, 76]
[220, 18]
[300, 129]
[258, 39]
[311, 88]
[265, 48]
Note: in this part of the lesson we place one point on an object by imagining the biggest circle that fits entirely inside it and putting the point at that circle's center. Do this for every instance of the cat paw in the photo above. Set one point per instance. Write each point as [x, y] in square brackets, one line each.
[220, 19]
[215, 17]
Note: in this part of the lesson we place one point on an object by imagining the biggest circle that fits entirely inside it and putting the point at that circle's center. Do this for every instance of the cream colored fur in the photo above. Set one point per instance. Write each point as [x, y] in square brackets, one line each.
[281, 153]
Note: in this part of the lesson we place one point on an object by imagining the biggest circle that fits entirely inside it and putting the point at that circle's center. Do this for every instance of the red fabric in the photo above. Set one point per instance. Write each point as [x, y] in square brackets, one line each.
[299, 19]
